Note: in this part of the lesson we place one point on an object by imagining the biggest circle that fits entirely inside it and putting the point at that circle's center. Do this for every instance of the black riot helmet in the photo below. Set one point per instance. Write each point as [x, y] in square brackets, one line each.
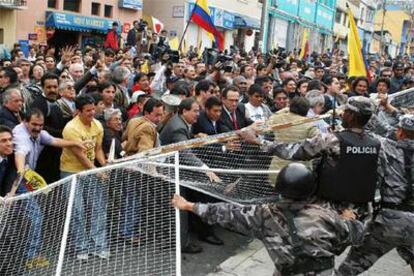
[295, 181]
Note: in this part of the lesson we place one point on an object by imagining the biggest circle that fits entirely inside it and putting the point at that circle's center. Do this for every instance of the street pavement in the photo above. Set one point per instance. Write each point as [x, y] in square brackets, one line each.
[254, 260]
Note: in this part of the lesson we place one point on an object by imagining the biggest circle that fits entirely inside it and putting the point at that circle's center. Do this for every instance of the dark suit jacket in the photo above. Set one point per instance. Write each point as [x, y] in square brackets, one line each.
[9, 176]
[49, 158]
[8, 118]
[226, 124]
[176, 130]
[204, 125]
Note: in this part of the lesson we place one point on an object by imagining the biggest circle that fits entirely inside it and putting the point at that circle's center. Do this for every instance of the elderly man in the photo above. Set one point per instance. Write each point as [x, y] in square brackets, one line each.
[66, 102]
[317, 102]
[76, 71]
[10, 112]
[120, 77]
[112, 132]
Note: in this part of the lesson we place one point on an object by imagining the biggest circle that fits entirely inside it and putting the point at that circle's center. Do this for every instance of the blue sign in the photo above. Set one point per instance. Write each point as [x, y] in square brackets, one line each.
[288, 6]
[131, 4]
[24, 46]
[73, 22]
[220, 17]
[307, 10]
[325, 17]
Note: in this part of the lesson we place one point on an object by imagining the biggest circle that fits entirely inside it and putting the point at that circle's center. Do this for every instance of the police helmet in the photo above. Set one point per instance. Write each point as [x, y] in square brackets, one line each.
[295, 181]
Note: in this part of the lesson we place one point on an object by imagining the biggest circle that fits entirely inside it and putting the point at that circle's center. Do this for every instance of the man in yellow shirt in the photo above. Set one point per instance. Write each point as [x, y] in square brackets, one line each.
[84, 127]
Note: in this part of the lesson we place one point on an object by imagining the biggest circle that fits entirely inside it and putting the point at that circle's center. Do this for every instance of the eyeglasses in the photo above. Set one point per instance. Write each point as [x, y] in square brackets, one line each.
[64, 76]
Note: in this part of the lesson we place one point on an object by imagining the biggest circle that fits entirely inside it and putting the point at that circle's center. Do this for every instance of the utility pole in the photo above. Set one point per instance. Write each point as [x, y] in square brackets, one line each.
[263, 26]
[410, 33]
[384, 10]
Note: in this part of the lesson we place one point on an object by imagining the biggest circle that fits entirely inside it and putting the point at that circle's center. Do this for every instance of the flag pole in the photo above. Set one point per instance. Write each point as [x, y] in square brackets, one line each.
[186, 26]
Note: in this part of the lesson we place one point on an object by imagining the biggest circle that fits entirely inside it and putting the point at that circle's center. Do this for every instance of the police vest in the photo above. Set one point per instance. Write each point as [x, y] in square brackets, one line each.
[352, 176]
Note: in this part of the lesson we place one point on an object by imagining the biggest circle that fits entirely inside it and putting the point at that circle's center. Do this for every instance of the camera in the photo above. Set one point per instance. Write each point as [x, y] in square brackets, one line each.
[224, 58]
[142, 25]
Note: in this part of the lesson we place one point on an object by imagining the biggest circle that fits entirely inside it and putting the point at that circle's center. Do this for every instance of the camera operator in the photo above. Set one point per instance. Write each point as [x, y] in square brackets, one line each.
[167, 59]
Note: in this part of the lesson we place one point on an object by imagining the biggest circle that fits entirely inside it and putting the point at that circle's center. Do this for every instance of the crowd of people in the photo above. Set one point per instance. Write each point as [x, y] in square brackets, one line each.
[62, 109]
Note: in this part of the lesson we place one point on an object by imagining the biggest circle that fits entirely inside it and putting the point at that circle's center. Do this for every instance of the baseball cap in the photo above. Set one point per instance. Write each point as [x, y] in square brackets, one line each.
[137, 94]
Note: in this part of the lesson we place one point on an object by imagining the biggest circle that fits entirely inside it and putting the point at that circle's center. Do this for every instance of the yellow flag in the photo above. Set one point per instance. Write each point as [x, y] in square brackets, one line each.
[145, 67]
[356, 60]
[304, 46]
[184, 48]
[174, 43]
[200, 49]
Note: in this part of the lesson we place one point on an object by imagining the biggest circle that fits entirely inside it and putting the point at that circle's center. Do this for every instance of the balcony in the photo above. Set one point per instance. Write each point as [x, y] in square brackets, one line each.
[13, 4]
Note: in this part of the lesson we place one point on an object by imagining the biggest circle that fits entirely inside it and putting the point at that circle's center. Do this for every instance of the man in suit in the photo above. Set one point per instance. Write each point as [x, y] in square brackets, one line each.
[178, 129]
[54, 122]
[10, 112]
[208, 124]
[208, 121]
[233, 116]
[7, 168]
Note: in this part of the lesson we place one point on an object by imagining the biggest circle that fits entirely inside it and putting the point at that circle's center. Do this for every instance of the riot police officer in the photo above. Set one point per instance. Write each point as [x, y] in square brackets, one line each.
[351, 160]
[288, 228]
[393, 225]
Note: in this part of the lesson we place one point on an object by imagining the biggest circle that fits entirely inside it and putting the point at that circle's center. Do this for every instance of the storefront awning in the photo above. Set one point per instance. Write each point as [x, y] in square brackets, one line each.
[77, 23]
[243, 21]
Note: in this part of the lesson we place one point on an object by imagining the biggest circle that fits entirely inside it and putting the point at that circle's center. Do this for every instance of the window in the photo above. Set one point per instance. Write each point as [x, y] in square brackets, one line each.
[338, 16]
[51, 4]
[72, 5]
[96, 9]
[362, 14]
[108, 11]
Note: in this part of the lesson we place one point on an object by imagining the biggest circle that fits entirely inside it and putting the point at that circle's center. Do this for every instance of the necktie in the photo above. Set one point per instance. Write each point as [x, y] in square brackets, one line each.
[3, 166]
[233, 118]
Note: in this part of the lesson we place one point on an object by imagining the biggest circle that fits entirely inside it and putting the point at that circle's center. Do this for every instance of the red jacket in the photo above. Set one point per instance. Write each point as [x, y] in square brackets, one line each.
[112, 40]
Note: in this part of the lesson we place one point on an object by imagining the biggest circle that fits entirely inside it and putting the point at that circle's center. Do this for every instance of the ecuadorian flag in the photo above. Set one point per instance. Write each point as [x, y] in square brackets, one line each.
[357, 65]
[201, 16]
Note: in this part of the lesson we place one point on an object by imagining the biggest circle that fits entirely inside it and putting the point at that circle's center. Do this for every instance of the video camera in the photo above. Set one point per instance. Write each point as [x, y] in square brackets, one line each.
[142, 25]
[162, 50]
[212, 56]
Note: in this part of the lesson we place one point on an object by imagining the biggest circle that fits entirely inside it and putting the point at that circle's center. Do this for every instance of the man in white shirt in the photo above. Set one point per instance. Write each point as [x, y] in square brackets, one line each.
[256, 110]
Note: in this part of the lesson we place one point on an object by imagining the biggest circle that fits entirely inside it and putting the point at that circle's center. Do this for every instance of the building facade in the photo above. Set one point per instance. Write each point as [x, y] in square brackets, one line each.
[8, 23]
[237, 20]
[289, 18]
[63, 22]
[396, 25]
[366, 28]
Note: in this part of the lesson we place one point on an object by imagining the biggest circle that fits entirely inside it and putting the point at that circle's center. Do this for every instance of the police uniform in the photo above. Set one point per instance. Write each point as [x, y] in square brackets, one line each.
[393, 225]
[320, 230]
[352, 161]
